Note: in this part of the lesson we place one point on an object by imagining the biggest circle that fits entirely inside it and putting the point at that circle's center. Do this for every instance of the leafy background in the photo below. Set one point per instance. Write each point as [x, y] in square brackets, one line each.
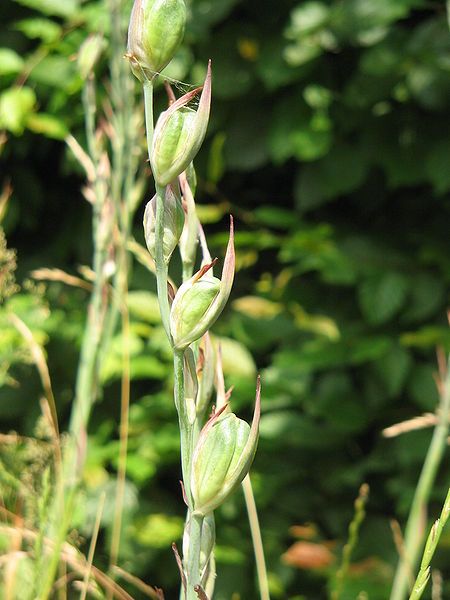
[329, 142]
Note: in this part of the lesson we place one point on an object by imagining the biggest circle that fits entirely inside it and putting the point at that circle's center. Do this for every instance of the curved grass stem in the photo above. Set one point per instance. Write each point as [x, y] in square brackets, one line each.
[415, 527]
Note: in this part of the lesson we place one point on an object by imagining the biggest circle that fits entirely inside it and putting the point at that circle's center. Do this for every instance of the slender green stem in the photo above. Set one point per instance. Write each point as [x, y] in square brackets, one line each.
[185, 426]
[161, 265]
[188, 269]
[430, 548]
[353, 535]
[193, 563]
[256, 538]
[415, 528]
[195, 522]
[148, 104]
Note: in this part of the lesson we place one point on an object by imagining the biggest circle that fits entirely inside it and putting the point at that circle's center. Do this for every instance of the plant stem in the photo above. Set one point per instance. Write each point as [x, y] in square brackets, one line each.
[148, 105]
[161, 265]
[124, 429]
[258, 547]
[415, 527]
[194, 522]
[193, 563]
[353, 534]
[185, 426]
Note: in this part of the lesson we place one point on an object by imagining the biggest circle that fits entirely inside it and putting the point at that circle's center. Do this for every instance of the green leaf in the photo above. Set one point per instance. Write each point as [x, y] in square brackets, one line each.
[298, 131]
[306, 18]
[236, 359]
[10, 62]
[422, 387]
[48, 125]
[16, 105]
[342, 170]
[437, 166]
[426, 297]
[158, 530]
[45, 29]
[59, 8]
[247, 130]
[393, 369]
[144, 306]
[381, 297]
[216, 164]
[54, 71]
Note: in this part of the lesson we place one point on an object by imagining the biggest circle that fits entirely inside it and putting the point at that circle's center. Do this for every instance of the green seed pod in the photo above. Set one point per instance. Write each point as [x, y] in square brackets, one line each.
[222, 457]
[178, 135]
[217, 459]
[190, 307]
[155, 31]
[200, 300]
[173, 224]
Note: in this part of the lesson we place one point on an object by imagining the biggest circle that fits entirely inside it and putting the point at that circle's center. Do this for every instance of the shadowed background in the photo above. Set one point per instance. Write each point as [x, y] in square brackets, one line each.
[329, 143]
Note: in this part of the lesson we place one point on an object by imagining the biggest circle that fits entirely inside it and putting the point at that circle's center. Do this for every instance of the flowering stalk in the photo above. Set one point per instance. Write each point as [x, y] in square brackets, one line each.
[216, 455]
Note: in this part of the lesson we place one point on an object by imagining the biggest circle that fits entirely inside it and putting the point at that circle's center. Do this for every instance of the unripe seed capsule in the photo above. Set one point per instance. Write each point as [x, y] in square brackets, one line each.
[156, 30]
[173, 224]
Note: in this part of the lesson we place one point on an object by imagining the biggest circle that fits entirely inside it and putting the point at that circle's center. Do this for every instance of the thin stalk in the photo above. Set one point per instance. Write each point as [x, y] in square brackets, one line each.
[193, 521]
[415, 530]
[161, 265]
[255, 530]
[124, 163]
[430, 547]
[188, 270]
[185, 426]
[90, 558]
[124, 428]
[193, 563]
[148, 105]
[162, 271]
[353, 535]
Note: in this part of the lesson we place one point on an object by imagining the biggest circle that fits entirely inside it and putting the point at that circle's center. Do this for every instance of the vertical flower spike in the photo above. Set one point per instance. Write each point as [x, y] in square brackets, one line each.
[200, 300]
[179, 133]
[173, 223]
[223, 457]
[155, 31]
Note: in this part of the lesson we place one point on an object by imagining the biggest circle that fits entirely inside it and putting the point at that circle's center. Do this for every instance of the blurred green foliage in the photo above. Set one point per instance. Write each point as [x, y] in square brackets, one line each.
[329, 142]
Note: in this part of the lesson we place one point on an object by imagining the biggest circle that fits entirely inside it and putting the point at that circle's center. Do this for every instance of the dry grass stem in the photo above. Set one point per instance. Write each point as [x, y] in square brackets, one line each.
[82, 157]
[62, 276]
[148, 590]
[40, 363]
[72, 557]
[4, 198]
[399, 542]
[92, 546]
[425, 420]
